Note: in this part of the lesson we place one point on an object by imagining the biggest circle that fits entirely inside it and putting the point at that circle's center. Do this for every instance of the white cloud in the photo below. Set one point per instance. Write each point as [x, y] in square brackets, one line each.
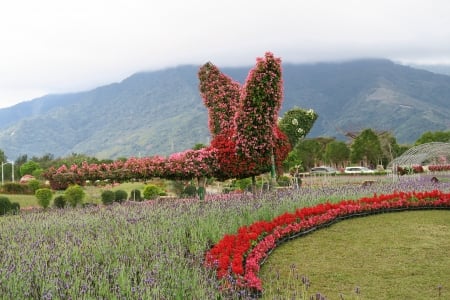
[52, 46]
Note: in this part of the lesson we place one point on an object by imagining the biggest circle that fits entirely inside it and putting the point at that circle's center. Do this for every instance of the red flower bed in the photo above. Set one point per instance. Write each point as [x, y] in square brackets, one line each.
[237, 258]
[437, 168]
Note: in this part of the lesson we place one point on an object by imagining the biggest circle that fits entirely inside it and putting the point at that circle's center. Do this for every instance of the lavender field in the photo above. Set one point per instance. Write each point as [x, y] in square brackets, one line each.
[150, 250]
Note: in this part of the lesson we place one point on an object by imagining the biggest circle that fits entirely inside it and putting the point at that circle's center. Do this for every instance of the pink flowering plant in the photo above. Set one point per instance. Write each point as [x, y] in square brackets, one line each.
[256, 120]
[221, 97]
[243, 119]
[243, 124]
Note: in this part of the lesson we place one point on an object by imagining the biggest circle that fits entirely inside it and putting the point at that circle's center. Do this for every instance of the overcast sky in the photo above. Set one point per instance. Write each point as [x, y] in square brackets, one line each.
[59, 46]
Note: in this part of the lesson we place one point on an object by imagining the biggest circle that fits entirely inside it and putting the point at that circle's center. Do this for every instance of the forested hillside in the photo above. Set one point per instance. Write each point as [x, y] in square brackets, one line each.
[161, 112]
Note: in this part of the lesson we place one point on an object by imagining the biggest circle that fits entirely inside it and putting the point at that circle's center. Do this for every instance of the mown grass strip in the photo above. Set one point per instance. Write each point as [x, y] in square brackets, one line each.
[389, 256]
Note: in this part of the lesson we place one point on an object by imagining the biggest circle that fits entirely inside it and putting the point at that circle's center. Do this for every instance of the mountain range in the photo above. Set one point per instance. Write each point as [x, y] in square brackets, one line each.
[161, 112]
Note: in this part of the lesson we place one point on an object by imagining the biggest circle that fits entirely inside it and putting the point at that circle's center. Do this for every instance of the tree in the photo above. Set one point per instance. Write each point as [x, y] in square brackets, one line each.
[437, 136]
[366, 148]
[44, 197]
[2, 156]
[296, 123]
[7, 168]
[308, 151]
[337, 153]
[45, 161]
[21, 160]
[293, 162]
[29, 167]
[389, 147]
[74, 195]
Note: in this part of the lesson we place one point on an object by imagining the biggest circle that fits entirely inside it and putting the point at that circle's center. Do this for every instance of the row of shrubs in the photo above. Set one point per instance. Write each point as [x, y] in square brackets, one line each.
[28, 188]
[73, 195]
[150, 192]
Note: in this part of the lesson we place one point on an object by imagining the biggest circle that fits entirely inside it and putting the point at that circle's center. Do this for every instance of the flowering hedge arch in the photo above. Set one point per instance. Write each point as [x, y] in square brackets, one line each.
[243, 124]
[237, 258]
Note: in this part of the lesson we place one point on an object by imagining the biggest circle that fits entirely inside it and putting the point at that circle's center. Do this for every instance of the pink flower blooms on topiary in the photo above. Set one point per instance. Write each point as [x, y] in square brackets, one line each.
[243, 124]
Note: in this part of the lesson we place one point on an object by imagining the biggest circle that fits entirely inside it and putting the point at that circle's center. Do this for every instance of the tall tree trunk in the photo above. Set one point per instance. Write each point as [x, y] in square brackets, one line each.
[201, 187]
[273, 174]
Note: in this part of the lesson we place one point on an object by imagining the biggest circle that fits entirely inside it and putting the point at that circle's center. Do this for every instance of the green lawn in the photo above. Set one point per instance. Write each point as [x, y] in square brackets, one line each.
[25, 201]
[389, 256]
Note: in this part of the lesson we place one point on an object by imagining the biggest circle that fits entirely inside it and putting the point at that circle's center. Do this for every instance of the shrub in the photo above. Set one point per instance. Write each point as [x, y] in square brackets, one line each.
[44, 197]
[5, 205]
[108, 197]
[15, 208]
[15, 188]
[29, 167]
[152, 191]
[74, 195]
[120, 196]
[135, 195]
[33, 185]
[189, 191]
[284, 181]
[242, 184]
[59, 201]
[38, 173]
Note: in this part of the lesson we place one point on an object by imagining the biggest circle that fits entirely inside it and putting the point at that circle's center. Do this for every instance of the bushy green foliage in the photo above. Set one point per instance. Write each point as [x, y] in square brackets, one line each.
[152, 191]
[29, 167]
[33, 185]
[177, 187]
[189, 191]
[436, 136]
[44, 196]
[59, 201]
[5, 205]
[337, 153]
[242, 184]
[15, 207]
[135, 195]
[74, 195]
[38, 173]
[297, 123]
[120, 196]
[108, 197]
[366, 147]
[284, 181]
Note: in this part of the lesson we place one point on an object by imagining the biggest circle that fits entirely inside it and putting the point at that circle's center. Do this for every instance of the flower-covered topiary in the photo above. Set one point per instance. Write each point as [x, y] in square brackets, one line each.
[243, 124]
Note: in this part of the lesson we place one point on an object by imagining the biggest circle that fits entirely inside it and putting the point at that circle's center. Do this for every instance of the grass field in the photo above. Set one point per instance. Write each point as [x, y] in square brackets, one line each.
[389, 256]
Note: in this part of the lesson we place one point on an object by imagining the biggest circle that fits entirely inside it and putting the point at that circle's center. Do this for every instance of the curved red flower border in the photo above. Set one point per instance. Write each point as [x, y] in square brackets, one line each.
[237, 258]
